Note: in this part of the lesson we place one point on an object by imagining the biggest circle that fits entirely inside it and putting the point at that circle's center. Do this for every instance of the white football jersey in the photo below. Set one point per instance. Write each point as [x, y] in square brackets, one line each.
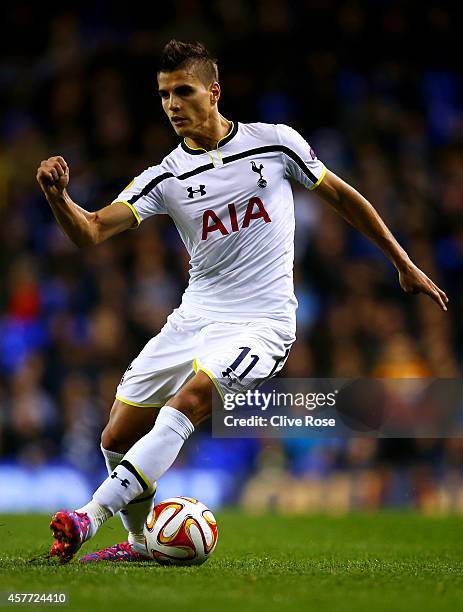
[234, 210]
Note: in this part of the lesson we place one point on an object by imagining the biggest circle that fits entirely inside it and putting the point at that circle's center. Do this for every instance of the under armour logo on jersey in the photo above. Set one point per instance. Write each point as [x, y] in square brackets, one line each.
[201, 191]
[261, 182]
[125, 483]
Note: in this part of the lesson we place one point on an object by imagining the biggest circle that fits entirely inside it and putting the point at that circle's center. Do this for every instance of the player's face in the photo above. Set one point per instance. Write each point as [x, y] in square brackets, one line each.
[186, 100]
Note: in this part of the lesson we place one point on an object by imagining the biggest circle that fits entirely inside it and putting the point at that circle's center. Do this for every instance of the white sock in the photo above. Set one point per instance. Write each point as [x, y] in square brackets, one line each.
[97, 514]
[124, 484]
[133, 516]
[146, 461]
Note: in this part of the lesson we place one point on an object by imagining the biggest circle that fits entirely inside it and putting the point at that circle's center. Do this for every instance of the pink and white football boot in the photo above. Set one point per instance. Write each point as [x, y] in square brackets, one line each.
[119, 552]
[70, 530]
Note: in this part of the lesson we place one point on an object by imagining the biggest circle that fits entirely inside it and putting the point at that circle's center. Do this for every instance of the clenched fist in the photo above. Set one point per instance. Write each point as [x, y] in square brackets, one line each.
[53, 176]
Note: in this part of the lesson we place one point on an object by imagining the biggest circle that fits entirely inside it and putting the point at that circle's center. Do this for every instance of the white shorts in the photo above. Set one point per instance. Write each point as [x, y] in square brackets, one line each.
[235, 356]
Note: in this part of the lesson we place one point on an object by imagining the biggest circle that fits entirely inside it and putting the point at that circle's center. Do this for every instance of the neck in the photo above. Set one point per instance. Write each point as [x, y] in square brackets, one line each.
[210, 135]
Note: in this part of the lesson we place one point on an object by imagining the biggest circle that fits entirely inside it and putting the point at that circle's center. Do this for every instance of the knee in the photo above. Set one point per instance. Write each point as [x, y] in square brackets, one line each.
[194, 400]
[114, 440]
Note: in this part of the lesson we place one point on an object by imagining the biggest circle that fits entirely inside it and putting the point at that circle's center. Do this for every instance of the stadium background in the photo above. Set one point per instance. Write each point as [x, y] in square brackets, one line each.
[376, 90]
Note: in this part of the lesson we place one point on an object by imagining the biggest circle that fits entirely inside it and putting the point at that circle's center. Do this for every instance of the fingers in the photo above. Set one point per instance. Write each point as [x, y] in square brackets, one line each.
[52, 170]
[443, 295]
[420, 283]
[43, 173]
[62, 165]
[58, 163]
[438, 296]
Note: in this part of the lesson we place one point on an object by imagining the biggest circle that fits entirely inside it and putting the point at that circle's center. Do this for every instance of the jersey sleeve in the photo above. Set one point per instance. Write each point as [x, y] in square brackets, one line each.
[144, 195]
[301, 163]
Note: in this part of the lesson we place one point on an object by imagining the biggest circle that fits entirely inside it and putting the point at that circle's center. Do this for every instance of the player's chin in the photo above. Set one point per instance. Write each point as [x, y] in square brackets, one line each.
[181, 128]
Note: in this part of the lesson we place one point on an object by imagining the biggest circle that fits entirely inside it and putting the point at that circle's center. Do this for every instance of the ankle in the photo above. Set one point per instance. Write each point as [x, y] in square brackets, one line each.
[136, 538]
[97, 515]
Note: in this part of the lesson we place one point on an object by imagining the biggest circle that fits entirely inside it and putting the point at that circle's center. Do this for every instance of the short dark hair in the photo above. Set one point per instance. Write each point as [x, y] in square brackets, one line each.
[177, 55]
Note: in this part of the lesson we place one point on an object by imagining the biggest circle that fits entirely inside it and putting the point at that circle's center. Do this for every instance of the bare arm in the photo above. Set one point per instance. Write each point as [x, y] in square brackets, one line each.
[356, 209]
[81, 226]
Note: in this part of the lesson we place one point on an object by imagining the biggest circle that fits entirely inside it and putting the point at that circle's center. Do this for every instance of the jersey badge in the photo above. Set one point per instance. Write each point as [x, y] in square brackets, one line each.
[261, 182]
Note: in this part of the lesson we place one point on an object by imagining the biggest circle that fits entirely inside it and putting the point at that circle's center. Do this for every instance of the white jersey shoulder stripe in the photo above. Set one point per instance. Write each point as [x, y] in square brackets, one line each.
[226, 160]
[150, 186]
[161, 177]
[270, 149]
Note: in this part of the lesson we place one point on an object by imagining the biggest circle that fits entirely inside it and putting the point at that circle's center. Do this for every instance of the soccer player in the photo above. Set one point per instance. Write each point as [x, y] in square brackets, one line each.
[226, 187]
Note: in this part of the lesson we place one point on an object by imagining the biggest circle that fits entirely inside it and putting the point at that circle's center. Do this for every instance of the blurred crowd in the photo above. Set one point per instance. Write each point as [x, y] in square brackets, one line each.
[374, 87]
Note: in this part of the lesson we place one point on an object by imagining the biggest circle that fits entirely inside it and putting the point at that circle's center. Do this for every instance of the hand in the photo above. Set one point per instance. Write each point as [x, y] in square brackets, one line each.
[53, 176]
[413, 280]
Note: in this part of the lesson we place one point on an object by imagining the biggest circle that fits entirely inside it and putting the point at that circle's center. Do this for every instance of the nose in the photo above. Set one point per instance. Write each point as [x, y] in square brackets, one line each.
[173, 104]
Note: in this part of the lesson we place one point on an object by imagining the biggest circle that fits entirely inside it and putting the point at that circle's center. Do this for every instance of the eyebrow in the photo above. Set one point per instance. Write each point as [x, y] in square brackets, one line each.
[176, 89]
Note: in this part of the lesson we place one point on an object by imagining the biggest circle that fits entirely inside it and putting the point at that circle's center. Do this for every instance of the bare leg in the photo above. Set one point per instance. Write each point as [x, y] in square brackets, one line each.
[144, 462]
[126, 425]
[195, 398]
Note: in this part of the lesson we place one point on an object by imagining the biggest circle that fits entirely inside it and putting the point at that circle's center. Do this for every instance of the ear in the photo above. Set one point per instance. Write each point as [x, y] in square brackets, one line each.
[214, 92]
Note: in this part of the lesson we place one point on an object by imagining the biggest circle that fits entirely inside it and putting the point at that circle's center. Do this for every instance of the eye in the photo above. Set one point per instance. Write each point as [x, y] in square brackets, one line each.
[184, 90]
[163, 94]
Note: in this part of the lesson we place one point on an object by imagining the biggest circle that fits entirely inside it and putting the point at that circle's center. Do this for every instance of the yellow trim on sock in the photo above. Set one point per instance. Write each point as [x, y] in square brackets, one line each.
[319, 180]
[140, 473]
[129, 403]
[198, 367]
[136, 215]
[150, 490]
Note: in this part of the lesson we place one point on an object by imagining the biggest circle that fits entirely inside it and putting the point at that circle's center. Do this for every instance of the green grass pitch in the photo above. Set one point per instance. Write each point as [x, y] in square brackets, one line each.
[385, 561]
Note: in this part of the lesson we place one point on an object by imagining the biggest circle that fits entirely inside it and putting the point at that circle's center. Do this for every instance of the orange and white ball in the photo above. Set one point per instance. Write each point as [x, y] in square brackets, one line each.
[180, 531]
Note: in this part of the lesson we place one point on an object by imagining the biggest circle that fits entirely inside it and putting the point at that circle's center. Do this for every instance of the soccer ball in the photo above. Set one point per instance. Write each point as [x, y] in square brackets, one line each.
[180, 531]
